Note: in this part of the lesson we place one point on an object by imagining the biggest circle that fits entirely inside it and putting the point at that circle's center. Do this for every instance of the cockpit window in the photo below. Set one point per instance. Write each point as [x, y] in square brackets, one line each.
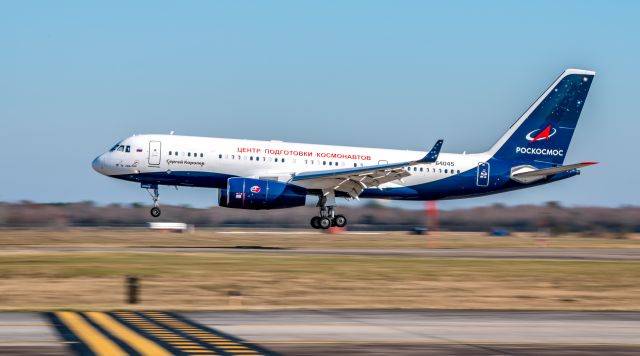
[127, 149]
[121, 148]
[113, 148]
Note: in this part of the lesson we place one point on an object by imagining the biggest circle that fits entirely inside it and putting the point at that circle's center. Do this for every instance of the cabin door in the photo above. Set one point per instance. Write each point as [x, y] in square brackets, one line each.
[154, 153]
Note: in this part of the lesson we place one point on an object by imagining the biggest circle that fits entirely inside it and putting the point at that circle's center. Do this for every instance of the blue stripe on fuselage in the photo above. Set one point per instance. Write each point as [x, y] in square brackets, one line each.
[456, 186]
[181, 178]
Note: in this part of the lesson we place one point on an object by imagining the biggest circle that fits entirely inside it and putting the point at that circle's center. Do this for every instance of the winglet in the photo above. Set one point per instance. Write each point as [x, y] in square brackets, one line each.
[432, 156]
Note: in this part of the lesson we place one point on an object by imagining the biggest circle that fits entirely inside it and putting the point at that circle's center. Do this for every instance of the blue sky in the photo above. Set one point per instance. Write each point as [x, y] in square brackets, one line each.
[77, 76]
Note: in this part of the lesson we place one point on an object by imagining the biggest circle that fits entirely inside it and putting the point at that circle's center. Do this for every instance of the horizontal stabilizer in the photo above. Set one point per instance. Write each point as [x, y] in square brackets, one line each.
[551, 171]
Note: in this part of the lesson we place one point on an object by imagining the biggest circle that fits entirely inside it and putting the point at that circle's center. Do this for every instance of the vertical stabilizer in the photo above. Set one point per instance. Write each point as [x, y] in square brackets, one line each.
[543, 133]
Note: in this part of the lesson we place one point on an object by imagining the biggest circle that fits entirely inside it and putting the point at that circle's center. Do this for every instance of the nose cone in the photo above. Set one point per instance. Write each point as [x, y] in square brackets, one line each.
[98, 164]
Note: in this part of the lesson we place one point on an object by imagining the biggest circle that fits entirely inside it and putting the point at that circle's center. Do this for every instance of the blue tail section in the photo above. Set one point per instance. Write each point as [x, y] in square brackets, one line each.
[543, 133]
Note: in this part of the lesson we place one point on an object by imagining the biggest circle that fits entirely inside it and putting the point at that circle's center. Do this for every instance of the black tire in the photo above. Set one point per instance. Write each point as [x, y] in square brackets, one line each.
[325, 223]
[315, 222]
[340, 221]
[155, 211]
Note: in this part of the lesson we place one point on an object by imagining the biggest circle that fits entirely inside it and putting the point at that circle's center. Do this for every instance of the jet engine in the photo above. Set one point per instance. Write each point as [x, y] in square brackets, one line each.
[256, 194]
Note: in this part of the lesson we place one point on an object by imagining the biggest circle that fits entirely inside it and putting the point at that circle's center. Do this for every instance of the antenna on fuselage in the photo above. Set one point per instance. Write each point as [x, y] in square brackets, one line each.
[171, 133]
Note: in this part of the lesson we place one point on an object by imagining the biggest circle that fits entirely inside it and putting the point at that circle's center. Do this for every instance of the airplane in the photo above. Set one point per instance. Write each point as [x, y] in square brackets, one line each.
[256, 175]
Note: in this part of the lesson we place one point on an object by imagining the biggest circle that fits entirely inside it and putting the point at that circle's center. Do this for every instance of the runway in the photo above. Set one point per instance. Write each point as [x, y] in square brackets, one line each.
[605, 254]
[322, 332]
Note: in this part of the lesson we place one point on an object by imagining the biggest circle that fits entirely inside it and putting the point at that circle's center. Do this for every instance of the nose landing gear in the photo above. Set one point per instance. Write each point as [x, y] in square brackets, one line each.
[152, 189]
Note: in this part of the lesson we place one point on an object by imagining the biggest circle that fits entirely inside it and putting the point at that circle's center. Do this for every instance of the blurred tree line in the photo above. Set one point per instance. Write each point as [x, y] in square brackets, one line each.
[552, 217]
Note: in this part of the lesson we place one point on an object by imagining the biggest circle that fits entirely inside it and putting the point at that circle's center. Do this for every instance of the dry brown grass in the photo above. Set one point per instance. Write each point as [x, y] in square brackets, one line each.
[44, 280]
[95, 280]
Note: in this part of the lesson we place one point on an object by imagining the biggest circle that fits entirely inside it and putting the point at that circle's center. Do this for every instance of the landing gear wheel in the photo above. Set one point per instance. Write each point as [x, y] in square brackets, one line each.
[152, 189]
[315, 222]
[340, 221]
[325, 223]
[155, 211]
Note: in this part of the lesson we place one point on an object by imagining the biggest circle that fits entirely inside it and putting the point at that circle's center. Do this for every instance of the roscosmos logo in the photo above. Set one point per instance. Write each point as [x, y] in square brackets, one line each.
[540, 134]
[544, 134]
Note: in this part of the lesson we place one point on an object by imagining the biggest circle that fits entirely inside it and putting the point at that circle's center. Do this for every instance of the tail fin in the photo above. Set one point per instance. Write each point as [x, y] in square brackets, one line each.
[543, 133]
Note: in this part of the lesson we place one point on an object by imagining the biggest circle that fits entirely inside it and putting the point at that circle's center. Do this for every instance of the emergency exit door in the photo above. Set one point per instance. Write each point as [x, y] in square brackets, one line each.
[154, 153]
[482, 178]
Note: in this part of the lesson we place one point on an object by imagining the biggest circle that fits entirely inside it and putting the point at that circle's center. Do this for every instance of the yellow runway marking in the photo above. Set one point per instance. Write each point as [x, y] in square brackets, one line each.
[201, 336]
[141, 344]
[97, 342]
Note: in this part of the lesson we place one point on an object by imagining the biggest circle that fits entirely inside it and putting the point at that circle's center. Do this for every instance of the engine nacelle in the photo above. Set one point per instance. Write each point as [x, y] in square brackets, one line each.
[256, 194]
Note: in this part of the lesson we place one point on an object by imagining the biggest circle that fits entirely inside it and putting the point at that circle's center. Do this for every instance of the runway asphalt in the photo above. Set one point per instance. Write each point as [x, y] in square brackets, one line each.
[507, 253]
[334, 332]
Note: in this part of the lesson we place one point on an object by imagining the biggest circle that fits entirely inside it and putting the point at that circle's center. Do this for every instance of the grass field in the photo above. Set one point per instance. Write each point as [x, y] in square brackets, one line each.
[45, 280]
[302, 239]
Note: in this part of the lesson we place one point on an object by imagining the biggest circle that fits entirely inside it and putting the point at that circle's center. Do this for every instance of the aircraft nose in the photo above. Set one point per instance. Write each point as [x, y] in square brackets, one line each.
[98, 164]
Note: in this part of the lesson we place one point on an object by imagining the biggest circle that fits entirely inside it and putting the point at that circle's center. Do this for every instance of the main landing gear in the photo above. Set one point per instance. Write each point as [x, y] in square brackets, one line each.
[155, 195]
[328, 217]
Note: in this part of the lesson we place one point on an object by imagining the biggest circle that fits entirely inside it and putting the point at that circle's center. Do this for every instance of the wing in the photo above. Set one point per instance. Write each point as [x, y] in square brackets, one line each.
[354, 180]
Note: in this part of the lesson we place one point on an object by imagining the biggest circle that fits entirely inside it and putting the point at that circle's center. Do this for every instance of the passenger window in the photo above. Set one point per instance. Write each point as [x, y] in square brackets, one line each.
[276, 159]
[169, 153]
[220, 156]
[324, 163]
[283, 160]
[420, 169]
[458, 171]
[330, 163]
[355, 165]
[251, 158]
[446, 171]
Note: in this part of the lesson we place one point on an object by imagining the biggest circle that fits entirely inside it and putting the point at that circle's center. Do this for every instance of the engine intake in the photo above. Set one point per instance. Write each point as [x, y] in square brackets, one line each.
[256, 194]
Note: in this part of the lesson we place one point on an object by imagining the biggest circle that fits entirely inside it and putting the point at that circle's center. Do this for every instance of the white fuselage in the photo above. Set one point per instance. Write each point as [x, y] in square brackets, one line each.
[274, 160]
